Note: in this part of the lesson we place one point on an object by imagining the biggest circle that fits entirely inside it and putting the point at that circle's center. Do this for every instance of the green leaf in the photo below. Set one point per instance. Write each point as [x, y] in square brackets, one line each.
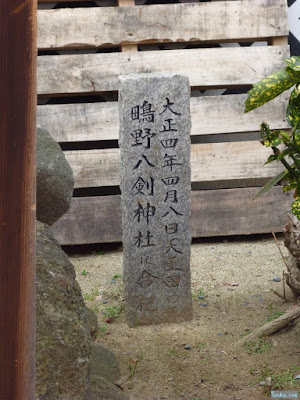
[296, 207]
[295, 93]
[297, 137]
[285, 136]
[271, 158]
[272, 182]
[287, 188]
[284, 153]
[269, 138]
[270, 87]
[293, 62]
[293, 110]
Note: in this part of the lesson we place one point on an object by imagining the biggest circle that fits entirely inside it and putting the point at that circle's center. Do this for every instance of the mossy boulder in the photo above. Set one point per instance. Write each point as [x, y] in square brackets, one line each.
[63, 339]
[54, 179]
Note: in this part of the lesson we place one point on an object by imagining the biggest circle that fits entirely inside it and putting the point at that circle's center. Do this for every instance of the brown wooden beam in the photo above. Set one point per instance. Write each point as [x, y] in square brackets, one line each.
[17, 198]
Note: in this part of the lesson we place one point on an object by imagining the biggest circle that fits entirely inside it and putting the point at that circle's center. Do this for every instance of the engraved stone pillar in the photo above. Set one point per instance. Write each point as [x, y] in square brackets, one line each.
[155, 185]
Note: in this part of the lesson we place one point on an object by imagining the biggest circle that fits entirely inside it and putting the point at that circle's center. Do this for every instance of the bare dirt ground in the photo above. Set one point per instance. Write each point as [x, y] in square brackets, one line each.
[231, 286]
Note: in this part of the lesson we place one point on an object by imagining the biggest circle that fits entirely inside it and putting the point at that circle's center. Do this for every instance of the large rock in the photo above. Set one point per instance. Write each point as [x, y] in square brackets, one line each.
[63, 339]
[104, 371]
[104, 363]
[67, 366]
[103, 389]
[55, 182]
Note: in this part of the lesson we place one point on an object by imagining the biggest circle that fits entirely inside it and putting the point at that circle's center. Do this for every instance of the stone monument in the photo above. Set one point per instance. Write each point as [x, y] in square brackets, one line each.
[155, 185]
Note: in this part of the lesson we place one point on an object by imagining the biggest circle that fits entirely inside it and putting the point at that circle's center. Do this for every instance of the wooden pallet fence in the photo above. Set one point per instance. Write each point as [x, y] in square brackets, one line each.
[195, 22]
[214, 213]
[210, 115]
[126, 27]
[94, 73]
[209, 162]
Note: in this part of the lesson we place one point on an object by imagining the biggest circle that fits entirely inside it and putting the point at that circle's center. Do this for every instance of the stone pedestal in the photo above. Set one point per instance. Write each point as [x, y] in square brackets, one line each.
[155, 186]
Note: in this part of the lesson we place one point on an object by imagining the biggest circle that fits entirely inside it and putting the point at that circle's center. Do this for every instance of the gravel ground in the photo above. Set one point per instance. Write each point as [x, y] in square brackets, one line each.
[199, 359]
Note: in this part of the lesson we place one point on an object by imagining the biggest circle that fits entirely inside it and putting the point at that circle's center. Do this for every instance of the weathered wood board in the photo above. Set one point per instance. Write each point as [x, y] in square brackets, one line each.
[214, 213]
[93, 73]
[229, 164]
[209, 162]
[210, 115]
[194, 22]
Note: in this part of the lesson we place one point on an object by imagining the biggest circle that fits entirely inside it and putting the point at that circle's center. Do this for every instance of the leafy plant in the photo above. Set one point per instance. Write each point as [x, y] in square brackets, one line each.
[258, 347]
[273, 314]
[116, 276]
[95, 292]
[88, 296]
[173, 351]
[84, 272]
[95, 308]
[246, 333]
[91, 296]
[113, 312]
[285, 145]
[101, 331]
[284, 380]
[133, 365]
[201, 294]
[200, 346]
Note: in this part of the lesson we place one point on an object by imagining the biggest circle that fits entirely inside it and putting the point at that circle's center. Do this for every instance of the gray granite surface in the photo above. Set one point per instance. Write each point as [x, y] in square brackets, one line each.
[155, 185]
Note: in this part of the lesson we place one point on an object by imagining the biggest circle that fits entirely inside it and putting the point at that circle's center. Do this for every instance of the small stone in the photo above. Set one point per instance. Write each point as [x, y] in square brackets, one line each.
[187, 347]
[119, 383]
[269, 381]
[277, 279]
[203, 305]
[262, 383]
[297, 377]
[105, 301]
[201, 297]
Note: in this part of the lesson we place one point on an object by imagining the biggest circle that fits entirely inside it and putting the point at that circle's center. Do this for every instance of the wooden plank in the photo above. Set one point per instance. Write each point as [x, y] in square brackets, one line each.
[86, 73]
[17, 200]
[194, 22]
[210, 115]
[101, 223]
[209, 162]
[234, 212]
[214, 213]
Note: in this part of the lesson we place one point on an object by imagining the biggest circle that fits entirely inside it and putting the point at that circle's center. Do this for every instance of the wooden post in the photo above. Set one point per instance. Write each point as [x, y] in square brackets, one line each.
[128, 47]
[17, 198]
[279, 41]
